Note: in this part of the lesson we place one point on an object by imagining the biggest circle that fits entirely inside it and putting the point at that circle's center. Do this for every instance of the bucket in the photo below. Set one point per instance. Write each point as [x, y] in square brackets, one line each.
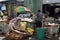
[40, 33]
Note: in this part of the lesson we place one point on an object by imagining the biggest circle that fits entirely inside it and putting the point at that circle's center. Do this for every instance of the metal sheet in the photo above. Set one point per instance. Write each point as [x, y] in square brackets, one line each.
[50, 1]
[2, 0]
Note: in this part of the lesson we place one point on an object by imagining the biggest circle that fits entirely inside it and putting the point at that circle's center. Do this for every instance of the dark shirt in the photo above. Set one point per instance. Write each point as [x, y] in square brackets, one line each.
[39, 16]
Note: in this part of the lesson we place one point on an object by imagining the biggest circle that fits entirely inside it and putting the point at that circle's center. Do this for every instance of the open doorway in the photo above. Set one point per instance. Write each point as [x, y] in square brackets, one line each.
[49, 9]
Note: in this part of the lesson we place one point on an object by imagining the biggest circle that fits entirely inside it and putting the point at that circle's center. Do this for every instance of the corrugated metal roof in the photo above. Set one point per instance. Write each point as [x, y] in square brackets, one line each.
[2, 0]
[20, 0]
[50, 1]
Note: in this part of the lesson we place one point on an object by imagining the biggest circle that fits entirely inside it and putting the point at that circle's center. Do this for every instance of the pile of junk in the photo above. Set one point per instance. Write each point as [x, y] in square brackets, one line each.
[20, 28]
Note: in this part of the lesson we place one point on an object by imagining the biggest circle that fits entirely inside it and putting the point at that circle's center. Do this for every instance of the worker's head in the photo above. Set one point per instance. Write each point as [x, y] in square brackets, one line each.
[18, 14]
[31, 15]
[39, 10]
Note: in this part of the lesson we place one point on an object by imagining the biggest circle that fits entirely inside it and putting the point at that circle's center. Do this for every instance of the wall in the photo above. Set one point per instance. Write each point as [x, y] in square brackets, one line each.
[34, 5]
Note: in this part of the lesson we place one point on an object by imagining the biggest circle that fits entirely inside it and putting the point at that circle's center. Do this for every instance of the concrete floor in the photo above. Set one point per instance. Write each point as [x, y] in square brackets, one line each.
[33, 38]
[2, 38]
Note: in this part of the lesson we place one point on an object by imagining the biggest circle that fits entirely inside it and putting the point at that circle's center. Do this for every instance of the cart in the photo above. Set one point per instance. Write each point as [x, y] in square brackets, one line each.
[52, 30]
[2, 26]
[25, 29]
